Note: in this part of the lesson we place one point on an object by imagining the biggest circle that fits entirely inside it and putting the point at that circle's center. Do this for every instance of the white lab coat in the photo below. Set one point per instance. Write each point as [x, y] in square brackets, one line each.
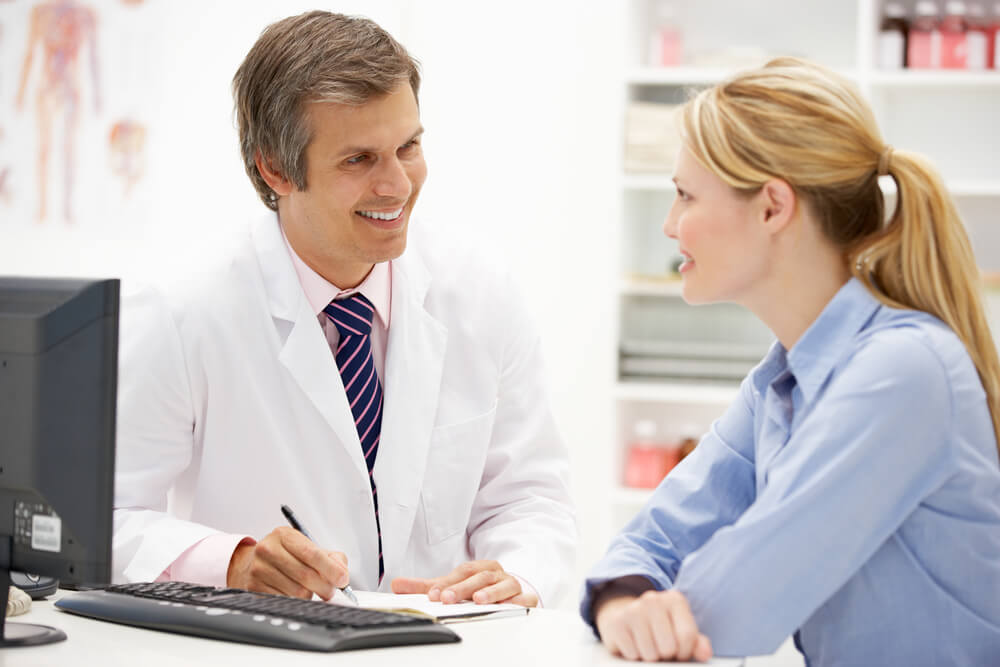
[230, 404]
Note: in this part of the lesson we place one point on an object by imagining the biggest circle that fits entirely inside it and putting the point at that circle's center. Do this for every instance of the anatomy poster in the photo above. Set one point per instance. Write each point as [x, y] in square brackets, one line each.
[77, 90]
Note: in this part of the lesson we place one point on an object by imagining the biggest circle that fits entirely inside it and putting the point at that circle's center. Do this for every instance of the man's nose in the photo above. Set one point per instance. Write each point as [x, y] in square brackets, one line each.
[392, 179]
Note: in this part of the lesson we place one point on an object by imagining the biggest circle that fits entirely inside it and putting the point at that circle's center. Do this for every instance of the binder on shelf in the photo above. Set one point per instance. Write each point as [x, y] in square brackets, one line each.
[632, 347]
[686, 369]
[688, 360]
[663, 338]
[652, 138]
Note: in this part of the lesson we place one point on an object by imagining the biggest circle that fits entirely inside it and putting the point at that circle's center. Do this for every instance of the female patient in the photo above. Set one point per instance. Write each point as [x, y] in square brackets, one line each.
[851, 493]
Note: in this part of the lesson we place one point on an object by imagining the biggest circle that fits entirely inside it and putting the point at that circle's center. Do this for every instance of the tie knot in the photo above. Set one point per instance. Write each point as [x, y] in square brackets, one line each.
[352, 316]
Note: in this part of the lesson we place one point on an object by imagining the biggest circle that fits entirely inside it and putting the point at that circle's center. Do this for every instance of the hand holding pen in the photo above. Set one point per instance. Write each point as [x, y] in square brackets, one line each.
[287, 562]
[297, 525]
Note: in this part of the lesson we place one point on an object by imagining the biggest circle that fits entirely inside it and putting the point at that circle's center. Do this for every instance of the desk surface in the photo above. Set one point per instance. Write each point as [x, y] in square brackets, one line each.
[543, 637]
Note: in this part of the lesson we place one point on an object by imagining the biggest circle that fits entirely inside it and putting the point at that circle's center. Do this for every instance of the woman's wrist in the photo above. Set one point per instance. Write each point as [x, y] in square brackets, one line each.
[623, 588]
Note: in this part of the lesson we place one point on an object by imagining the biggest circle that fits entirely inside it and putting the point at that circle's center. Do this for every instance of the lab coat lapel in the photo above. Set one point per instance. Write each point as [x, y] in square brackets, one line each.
[413, 369]
[304, 350]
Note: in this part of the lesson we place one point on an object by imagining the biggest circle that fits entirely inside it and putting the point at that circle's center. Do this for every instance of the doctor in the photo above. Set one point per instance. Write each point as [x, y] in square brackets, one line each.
[386, 384]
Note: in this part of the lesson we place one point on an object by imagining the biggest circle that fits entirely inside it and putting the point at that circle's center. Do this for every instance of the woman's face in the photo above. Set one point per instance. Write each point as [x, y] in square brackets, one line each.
[720, 233]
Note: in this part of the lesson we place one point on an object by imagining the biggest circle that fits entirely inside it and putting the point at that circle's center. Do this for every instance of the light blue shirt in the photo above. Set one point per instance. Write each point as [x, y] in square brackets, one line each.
[849, 495]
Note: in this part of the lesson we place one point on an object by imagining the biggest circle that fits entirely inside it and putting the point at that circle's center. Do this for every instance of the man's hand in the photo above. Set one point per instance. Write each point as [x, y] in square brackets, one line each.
[482, 581]
[657, 625]
[287, 562]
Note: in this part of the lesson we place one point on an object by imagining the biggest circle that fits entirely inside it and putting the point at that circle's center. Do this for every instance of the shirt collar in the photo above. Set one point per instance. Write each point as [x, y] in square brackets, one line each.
[814, 356]
[319, 292]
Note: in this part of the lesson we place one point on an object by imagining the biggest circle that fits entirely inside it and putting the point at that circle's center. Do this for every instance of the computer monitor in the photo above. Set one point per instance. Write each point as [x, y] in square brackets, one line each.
[58, 385]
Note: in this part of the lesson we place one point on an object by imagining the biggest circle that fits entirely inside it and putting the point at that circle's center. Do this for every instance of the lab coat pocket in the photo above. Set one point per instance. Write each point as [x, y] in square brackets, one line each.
[454, 469]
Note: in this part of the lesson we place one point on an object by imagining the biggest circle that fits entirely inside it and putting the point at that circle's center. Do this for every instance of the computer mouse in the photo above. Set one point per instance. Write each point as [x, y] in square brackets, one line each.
[34, 585]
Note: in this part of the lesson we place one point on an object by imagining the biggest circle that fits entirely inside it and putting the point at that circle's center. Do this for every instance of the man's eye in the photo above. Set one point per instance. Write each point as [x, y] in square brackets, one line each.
[357, 159]
[409, 145]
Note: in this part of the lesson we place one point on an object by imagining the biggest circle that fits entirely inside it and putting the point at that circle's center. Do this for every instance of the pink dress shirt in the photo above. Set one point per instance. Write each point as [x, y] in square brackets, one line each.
[207, 562]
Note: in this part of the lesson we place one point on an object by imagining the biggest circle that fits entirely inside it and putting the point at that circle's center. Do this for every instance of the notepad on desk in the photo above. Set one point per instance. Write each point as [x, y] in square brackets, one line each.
[418, 604]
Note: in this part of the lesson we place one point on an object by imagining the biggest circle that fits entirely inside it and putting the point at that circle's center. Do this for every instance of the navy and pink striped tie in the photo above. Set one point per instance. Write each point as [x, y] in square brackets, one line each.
[353, 318]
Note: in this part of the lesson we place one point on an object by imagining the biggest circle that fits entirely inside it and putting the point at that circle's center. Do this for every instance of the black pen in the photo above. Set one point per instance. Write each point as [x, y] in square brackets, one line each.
[287, 511]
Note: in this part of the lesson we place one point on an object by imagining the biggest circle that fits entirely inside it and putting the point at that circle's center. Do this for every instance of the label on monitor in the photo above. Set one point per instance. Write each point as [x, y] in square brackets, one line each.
[38, 526]
[46, 533]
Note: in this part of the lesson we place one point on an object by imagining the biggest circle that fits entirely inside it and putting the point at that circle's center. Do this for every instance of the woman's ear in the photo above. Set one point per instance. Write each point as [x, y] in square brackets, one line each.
[778, 203]
[274, 179]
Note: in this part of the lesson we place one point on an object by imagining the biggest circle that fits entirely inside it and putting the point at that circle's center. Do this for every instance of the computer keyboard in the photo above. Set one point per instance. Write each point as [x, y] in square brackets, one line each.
[253, 618]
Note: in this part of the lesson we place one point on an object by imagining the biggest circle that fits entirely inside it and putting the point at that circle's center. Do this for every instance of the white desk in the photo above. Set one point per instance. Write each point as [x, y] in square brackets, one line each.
[544, 637]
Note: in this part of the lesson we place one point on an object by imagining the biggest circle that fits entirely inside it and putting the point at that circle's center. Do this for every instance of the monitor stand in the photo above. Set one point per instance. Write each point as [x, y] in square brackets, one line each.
[19, 634]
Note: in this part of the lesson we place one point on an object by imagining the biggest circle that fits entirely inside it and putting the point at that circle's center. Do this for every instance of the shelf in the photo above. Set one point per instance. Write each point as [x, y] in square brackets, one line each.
[690, 75]
[991, 281]
[676, 76]
[693, 76]
[651, 286]
[674, 287]
[624, 495]
[974, 188]
[652, 181]
[677, 392]
[935, 78]
[661, 182]
[957, 188]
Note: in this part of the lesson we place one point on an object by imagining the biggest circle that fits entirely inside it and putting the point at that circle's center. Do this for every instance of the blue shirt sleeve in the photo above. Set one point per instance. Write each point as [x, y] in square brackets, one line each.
[710, 489]
[854, 467]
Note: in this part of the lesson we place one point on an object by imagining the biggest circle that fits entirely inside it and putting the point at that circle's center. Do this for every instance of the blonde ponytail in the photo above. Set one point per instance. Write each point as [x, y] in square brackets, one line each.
[923, 260]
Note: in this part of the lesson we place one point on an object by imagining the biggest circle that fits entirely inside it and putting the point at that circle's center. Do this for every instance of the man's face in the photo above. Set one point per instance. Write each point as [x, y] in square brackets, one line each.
[364, 170]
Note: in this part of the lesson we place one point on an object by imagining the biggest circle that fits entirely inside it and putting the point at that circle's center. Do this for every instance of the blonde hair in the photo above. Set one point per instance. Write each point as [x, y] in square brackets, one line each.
[317, 56]
[807, 125]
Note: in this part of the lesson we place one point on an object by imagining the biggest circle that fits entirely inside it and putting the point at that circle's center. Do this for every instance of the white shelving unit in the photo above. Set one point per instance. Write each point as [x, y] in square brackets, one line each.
[951, 116]
[949, 79]
[967, 187]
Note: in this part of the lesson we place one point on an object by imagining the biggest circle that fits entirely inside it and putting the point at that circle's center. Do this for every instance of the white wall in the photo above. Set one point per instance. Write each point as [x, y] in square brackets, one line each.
[521, 106]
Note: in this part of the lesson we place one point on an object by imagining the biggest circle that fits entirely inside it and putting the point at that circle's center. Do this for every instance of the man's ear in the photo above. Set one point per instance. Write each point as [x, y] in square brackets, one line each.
[778, 202]
[274, 179]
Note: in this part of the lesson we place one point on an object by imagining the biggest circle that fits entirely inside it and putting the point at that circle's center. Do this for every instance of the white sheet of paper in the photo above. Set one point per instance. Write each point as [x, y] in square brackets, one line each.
[419, 602]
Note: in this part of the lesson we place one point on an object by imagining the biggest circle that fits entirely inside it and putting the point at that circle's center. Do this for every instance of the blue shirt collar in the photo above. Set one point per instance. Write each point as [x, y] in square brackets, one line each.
[812, 358]
[827, 339]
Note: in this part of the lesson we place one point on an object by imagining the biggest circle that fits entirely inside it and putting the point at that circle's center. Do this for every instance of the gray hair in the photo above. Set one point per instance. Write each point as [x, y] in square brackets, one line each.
[313, 57]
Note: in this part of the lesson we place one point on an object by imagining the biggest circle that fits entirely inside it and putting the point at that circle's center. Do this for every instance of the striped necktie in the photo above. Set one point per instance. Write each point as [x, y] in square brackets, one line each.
[353, 318]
